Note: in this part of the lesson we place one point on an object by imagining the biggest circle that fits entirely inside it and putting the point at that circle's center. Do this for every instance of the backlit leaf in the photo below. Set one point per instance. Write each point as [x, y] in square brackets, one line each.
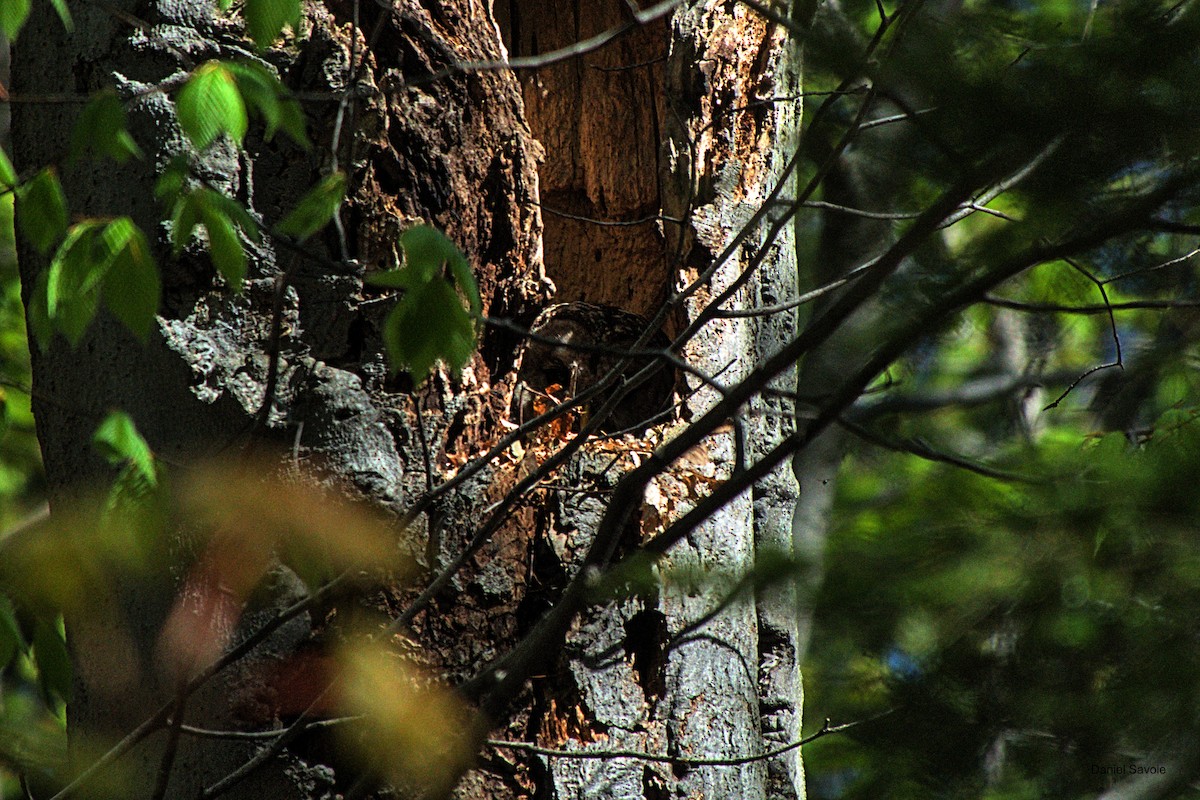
[210, 104]
[224, 246]
[260, 91]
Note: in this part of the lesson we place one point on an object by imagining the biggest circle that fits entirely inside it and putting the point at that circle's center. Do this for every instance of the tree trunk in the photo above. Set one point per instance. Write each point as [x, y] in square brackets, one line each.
[662, 124]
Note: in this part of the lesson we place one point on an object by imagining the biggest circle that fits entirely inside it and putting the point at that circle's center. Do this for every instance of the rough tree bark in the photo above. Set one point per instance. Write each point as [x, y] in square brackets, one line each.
[663, 124]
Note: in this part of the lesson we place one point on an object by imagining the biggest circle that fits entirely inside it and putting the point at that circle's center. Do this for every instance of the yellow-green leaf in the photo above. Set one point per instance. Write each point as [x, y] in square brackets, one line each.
[210, 104]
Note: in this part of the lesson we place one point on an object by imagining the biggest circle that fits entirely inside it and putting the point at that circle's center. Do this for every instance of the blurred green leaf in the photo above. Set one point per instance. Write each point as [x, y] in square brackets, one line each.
[427, 250]
[109, 258]
[316, 208]
[64, 14]
[12, 16]
[429, 323]
[74, 279]
[42, 210]
[263, 93]
[11, 641]
[292, 122]
[266, 18]
[53, 660]
[222, 218]
[225, 246]
[102, 128]
[132, 288]
[171, 183]
[118, 439]
[8, 175]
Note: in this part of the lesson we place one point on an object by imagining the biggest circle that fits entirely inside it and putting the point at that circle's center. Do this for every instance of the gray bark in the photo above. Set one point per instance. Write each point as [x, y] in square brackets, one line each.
[723, 179]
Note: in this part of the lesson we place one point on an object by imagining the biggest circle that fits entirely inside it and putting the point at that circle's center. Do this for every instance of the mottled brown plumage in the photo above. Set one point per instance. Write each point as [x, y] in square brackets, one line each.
[588, 341]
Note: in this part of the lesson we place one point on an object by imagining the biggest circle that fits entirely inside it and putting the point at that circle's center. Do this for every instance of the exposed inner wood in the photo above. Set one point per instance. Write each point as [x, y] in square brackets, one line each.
[599, 118]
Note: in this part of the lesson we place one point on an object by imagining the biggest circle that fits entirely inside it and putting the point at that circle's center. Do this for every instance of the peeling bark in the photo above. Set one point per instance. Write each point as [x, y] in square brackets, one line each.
[728, 153]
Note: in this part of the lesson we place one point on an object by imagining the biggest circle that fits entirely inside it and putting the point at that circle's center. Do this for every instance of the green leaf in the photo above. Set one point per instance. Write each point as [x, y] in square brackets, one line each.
[291, 121]
[11, 641]
[224, 246]
[428, 325]
[266, 18]
[132, 287]
[99, 258]
[210, 104]
[184, 218]
[64, 14]
[315, 209]
[221, 217]
[261, 91]
[392, 279]
[73, 283]
[42, 210]
[426, 250]
[236, 212]
[12, 16]
[171, 182]
[119, 442]
[8, 175]
[102, 129]
[53, 662]
[464, 279]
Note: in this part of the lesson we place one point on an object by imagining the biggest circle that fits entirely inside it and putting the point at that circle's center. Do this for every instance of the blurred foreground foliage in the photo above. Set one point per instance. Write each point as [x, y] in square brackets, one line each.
[257, 550]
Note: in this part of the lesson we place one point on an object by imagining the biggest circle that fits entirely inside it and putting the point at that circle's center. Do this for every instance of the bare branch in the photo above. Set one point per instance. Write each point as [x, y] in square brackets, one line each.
[679, 761]
[1062, 308]
[1112, 321]
[922, 450]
